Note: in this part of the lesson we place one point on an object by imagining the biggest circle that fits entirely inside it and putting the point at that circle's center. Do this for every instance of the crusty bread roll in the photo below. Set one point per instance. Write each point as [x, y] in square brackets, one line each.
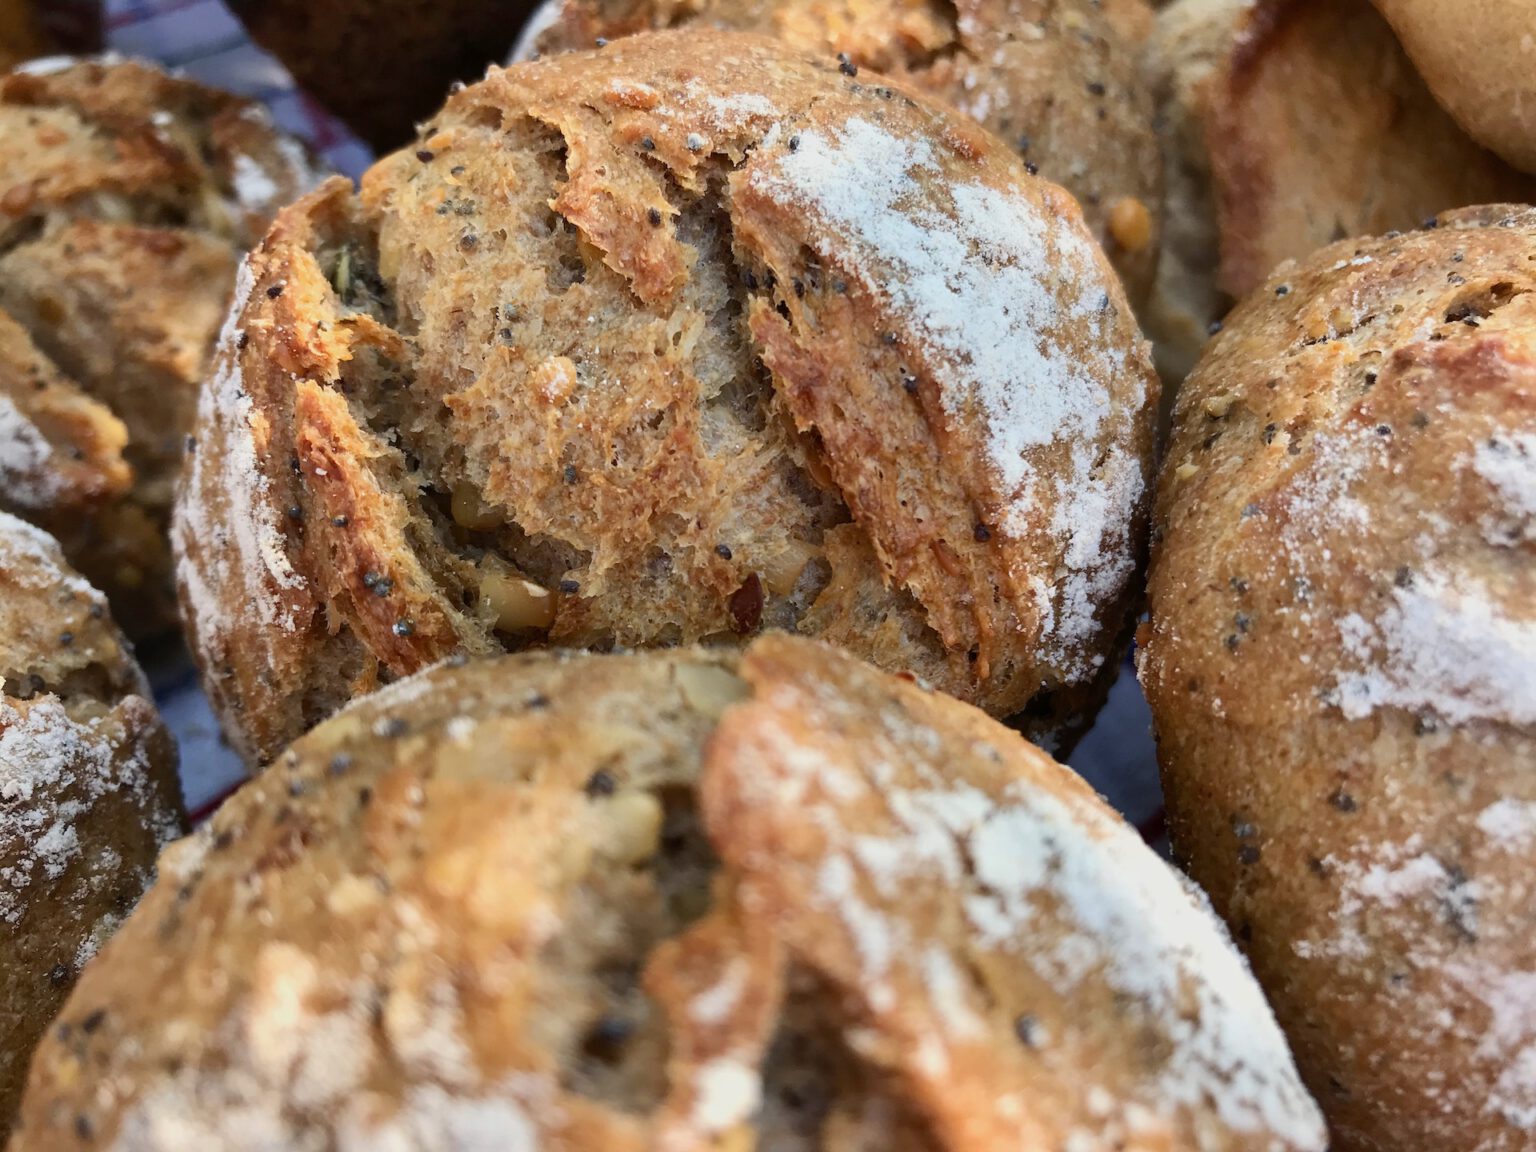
[1314, 126]
[740, 342]
[125, 195]
[674, 900]
[1058, 79]
[383, 65]
[88, 789]
[1342, 668]
[1479, 59]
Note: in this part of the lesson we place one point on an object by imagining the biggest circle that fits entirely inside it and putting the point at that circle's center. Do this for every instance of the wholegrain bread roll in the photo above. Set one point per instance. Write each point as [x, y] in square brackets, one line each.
[667, 900]
[1479, 59]
[383, 66]
[1342, 669]
[125, 196]
[1313, 126]
[1057, 79]
[676, 340]
[88, 789]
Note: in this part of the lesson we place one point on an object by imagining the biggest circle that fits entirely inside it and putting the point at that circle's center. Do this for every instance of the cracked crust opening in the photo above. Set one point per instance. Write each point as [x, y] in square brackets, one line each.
[1057, 79]
[621, 355]
[125, 196]
[693, 899]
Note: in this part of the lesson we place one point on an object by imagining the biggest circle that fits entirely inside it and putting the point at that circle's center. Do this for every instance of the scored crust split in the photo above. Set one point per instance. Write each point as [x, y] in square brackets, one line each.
[1291, 124]
[624, 354]
[670, 900]
[1057, 79]
[1341, 664]
[125, 196]
[88, 788]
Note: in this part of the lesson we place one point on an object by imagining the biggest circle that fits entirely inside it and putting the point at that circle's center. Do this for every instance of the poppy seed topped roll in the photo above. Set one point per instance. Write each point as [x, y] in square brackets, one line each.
[680, 361]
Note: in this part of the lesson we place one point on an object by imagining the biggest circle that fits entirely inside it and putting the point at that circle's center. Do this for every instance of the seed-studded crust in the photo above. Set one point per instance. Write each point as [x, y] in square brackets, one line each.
[88, 788]
[125, 197]
[1315, 127]
[383, 65]
[674, 900]
[1341, 662]
[1479, 59]
[1058, 79]
[627, 354]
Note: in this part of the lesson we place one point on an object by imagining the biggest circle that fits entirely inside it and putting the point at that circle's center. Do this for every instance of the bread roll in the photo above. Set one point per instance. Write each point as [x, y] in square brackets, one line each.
[125, 195]
[1057, 79]
[1341, 664]
[679, 361]
[88, 789]
[1479, 59]
[383, 65]
[1314, 126]
[667, 900]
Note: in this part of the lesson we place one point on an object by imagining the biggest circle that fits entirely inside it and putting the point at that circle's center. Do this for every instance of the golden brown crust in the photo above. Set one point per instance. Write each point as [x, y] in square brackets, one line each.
[1479, 59]
[1341, 662]
[88, 788]
[676, 900]
[1058, 79]
[383, 66]
[681, 361]
[125, 196]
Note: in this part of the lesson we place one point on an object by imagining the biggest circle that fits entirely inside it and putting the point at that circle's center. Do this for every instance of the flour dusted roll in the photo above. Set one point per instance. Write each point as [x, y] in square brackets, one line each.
[125, 197]
[1341, 663]
[741, 342]
[667, 900]
[88, 789]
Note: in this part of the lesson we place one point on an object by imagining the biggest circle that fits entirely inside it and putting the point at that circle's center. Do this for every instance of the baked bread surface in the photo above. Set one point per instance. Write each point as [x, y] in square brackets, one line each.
[624, 353]
[125, 197]
[88, 788]
[681, 899]
[1341, 663]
